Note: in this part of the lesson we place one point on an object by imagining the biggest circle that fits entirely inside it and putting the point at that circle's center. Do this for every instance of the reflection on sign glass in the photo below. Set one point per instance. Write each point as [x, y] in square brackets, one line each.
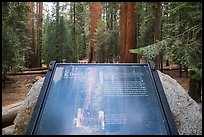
[94, 99]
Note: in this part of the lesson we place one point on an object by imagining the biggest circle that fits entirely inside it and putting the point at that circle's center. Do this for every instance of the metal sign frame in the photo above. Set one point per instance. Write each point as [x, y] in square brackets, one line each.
[171, 126]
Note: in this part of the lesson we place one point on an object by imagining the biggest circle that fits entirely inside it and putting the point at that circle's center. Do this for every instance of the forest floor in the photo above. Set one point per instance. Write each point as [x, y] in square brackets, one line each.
[17, 86]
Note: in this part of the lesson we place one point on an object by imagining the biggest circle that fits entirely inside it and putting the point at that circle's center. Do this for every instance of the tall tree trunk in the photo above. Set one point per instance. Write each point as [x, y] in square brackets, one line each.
[58, 54]
[157, 30]
[138, 30]
[195, 85]
[37, 36]
[32, 36]
[71, 17]
[116, 48]
[128, 32]
[107, 16]
[40, 33]
[75, 45]
[135, 58]
[180, 29]
[84, 40]
[111, 44]
[166, 7]
[123, 25]
[195, 88]
[95, 16]
[57, 13]
[83, 56]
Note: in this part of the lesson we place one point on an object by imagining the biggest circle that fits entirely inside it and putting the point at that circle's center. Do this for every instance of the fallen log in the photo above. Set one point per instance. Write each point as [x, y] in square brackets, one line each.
[34, 69]
[9, 113]
[28, 72]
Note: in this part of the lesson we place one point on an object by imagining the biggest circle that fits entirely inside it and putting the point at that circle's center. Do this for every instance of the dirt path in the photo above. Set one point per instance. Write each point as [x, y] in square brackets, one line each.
[17, 87]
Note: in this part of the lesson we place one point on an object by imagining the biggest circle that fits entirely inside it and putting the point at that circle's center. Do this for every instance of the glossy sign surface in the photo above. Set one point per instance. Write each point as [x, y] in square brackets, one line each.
[102, 99]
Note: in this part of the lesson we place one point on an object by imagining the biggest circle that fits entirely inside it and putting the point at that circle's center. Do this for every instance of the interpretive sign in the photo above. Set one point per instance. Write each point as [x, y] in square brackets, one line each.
[101, 99]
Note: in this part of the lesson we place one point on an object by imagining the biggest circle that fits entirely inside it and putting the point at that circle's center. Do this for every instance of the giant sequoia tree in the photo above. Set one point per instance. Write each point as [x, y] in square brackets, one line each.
[35, 26]
[95, 16]
[127, 32]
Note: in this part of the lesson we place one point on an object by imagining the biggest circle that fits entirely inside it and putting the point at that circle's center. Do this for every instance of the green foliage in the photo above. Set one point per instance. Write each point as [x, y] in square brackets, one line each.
[49, 48]
[82, 29]
[187, 52]
[150, 51]
[56, 42]
[110, 19]
[102, 39]
[69, 39]
[145, 24]
[14, 36]
[181, 34]
[56, 37]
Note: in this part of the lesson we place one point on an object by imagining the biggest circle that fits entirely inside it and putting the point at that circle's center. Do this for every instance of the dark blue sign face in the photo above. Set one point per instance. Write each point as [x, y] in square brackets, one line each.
[102, 99]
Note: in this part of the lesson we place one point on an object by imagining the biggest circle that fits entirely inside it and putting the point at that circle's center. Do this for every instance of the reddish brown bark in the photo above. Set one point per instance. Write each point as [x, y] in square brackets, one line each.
[157, 29]
[95, 16]
[32, 36]
[127, 32]
[39, 34]
[123, 22]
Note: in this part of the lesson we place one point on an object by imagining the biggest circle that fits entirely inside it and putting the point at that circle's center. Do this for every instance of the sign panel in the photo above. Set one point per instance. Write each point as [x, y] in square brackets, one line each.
[102, 99]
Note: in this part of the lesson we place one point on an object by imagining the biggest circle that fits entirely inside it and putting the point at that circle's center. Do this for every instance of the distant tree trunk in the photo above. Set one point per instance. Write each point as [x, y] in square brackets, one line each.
[112, 37]
[195, 85]
[32, 36]
[180, 69]
[40, 33]
[127, 32]
[116, 48]
[37, 36]
[195, 88]
[84, 37]
[107, 17]
[85, 45]
[71, 17]
[157, 30]
[95, 16]
[138, 30]
[123, 25]
[110, 22]
[58, 54]
[75, 45]
[166, 6]
[167, 62]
